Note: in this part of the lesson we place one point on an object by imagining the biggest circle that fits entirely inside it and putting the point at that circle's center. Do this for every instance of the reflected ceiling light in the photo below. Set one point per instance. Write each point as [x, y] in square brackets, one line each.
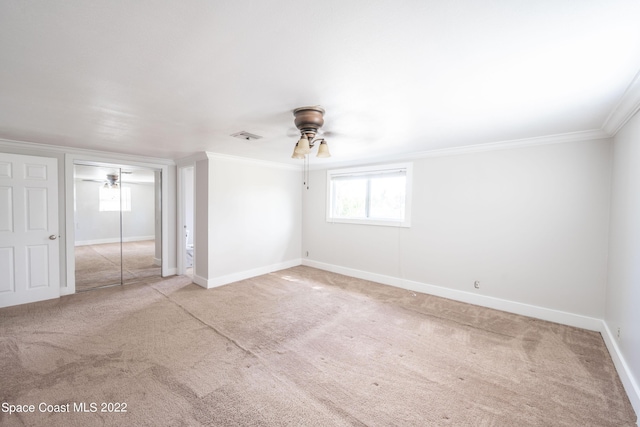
[112, 181]
[309, 120]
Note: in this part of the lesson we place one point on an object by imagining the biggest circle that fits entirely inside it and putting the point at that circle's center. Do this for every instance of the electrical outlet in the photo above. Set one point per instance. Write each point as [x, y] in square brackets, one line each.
[307, 253]
[476, 284]
[618, 332]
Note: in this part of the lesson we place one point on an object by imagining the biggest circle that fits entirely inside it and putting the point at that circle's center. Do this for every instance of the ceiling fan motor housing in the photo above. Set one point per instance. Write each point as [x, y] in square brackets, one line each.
[309, 119]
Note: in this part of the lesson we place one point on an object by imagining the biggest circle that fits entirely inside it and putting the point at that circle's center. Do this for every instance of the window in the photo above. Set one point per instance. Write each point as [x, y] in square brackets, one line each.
[110, 199]
[376, 195]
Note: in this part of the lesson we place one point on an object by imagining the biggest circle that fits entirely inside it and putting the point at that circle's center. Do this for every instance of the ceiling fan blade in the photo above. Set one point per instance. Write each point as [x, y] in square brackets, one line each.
[293, 133]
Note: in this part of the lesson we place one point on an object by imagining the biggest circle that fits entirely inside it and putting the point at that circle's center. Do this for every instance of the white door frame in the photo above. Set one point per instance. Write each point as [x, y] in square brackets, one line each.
[97, 160]
[36, 176]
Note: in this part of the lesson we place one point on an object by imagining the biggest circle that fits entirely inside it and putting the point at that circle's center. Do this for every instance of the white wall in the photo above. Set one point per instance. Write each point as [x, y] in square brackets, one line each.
[202, 220]
[93, 226]
[623, 288]
[529, 223]
[254, 218]
[140, 221]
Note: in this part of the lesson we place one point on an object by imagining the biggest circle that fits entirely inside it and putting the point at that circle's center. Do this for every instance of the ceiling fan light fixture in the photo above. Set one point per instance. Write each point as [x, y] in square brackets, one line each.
[309, 117]
[323, 150]
[309, 120]
[296, 154]
[303, 147]
[112, 181]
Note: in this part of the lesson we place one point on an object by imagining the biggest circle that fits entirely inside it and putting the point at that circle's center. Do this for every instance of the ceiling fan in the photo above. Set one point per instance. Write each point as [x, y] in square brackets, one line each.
[309, 120]
[110, 182]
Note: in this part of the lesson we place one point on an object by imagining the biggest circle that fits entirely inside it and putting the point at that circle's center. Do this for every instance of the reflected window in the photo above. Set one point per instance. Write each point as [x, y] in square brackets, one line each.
[111, 199]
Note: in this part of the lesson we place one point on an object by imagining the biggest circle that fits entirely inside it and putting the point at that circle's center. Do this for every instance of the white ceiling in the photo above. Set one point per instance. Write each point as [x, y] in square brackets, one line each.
[168, 78]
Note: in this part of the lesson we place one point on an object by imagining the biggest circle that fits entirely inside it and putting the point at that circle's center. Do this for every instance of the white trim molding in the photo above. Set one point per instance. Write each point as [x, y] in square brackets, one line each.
[190, 160]
[214, 282]
[368, 172]
[627, 106]
[522, 309]
[587, 135]
[631, 386]
[122, 158]
[258, 162]
[170, 271]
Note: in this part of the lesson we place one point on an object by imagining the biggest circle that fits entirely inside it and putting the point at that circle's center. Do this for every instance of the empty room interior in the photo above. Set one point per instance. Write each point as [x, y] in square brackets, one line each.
[320, 213]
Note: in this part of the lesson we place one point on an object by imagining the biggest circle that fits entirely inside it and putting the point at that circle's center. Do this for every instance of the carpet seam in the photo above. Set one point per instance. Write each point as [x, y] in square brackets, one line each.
[214, 329]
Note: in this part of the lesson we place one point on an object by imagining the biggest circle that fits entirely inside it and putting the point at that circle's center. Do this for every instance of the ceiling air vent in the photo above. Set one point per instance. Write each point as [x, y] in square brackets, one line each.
[246, 136]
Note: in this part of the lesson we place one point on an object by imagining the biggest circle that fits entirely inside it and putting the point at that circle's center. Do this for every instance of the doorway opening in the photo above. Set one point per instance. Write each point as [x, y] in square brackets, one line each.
[117, 224]
[186, 253]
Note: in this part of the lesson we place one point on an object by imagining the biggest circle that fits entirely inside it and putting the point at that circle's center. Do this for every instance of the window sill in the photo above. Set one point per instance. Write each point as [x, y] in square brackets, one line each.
[401, 224]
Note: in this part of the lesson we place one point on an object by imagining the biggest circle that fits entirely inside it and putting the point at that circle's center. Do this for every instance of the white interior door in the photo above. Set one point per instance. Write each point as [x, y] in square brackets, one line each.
[29, 248]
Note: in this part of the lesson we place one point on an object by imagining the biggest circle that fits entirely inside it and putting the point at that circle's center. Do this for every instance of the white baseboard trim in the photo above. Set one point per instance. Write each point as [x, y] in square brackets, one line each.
[214, 282]
[157, 261]
[200, 281]
[628, 381]
[537, 312]
[169, 271]
[114, 240]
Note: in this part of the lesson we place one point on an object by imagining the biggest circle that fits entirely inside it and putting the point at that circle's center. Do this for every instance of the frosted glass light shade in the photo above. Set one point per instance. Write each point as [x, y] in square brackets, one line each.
[323, 150]
[302, 147]
[296, 154]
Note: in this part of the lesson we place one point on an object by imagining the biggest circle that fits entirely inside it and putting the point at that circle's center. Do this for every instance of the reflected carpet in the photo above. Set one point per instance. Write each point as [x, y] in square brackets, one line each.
[99, 265]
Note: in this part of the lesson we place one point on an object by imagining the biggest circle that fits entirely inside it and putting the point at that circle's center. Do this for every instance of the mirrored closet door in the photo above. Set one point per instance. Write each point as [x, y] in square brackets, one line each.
[117, 225]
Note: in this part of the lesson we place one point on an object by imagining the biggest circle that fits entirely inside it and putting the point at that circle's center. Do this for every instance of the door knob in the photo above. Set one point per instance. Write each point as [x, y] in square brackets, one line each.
[53, 237]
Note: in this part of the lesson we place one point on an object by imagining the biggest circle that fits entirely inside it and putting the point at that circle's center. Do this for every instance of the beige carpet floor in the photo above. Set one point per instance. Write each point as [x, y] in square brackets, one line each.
[99, 265]
[299, 347]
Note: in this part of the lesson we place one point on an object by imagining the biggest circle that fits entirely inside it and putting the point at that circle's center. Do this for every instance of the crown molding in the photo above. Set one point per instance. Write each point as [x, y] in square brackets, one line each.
[190, 160]
[7, 143]
[476, 148]
[561, 138]
[627, 106]
[258, 162]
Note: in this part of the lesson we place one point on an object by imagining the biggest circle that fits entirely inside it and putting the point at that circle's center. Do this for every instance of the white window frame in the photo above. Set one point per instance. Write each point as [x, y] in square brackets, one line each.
[372, 170]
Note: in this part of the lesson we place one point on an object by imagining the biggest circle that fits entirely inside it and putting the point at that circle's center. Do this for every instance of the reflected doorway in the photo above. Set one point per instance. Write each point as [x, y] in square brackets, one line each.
[186, 253]
[117, 225]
